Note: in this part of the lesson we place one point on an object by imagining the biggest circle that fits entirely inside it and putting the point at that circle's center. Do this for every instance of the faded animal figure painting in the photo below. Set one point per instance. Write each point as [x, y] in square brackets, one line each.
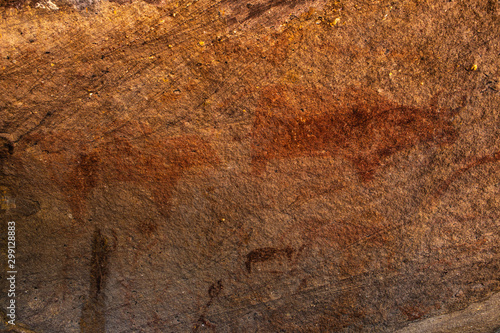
[153, 163]
[357, 124]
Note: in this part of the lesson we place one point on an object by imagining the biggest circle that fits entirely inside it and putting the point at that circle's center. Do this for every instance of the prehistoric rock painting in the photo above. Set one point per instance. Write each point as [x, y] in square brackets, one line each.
[367, 205]
[214, 292]
[266, 254]
[155, 163]
[472, 163]
[356, 124]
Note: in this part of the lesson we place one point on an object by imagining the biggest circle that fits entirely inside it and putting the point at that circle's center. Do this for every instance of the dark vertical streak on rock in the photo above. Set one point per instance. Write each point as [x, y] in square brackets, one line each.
[93, 314]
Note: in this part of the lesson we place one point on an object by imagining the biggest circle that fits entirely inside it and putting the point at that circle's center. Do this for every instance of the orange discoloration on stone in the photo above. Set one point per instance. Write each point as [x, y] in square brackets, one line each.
[356, 124]
[154, 163]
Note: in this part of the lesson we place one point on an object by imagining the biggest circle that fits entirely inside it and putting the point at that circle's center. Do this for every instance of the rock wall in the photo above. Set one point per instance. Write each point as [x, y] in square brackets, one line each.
[258, 166]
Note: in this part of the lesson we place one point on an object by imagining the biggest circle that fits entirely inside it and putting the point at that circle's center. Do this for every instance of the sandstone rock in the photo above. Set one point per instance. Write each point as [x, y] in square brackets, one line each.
[259, 166]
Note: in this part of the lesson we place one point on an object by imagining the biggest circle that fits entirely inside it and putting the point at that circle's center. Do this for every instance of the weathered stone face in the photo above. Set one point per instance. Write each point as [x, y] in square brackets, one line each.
[268, 166]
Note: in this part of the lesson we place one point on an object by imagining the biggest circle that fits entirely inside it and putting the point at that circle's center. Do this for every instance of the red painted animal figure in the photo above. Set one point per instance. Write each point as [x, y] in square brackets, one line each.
[266, 254]
[357, 124]
[78, 167]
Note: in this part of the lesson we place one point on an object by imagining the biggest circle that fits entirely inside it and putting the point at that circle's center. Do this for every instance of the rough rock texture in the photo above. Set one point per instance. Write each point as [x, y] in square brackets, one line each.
[257, 166]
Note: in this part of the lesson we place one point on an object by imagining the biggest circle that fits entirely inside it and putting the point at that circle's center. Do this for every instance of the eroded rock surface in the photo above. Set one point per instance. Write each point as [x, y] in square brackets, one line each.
[259, 166]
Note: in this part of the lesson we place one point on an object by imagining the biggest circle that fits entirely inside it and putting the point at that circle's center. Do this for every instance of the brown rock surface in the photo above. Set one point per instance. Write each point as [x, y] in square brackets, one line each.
[259, 166]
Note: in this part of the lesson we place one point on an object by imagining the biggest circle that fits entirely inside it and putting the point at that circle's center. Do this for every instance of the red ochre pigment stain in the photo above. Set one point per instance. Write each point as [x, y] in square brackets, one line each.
[359, 125]
[156, 164]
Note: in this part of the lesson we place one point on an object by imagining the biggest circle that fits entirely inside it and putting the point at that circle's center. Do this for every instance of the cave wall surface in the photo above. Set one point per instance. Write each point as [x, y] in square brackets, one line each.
[251, 166]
